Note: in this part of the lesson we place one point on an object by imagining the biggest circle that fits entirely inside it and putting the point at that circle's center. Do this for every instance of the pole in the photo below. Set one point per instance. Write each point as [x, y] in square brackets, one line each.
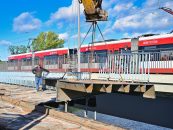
[33, 57]
[79, 40]
[32, 51]
[66, 106]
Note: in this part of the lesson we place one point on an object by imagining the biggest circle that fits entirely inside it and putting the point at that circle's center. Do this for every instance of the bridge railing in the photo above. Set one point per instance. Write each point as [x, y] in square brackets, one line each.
[18, 78]
[126, 67]
[3, 66]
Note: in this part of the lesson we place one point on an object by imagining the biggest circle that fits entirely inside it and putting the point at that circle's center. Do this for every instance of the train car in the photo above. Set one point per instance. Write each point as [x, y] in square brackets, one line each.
[160, 47]
[57, 60]
[146, 43]
[50, 59]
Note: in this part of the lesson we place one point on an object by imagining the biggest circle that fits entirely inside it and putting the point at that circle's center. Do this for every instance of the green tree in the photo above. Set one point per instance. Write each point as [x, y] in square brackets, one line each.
[12, 49]
[22, 49]
[47, 40]
[17, 49]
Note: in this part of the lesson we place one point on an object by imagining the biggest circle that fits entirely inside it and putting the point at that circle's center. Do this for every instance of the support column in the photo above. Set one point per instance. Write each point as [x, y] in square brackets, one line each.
[86, 107]
[66, 105]
[79, 38]
[95, 115]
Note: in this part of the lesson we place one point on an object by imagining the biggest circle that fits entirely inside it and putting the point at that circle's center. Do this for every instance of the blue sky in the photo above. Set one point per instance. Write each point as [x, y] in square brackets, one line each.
[21, 20]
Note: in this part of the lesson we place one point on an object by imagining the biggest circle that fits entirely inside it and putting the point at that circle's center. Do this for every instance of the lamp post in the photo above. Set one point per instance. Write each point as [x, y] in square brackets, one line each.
[79, 40]
[31, 50]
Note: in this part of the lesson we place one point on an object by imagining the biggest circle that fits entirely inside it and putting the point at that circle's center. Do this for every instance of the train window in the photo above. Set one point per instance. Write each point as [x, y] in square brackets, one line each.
[166, 55]
[36, 60]
[150, 48]
[166, 47]
[72, 51]
[51, 60]
[84, 58]
[98, 56]
[12, 62]
[116, 52]
[27, 62]
[157, 48]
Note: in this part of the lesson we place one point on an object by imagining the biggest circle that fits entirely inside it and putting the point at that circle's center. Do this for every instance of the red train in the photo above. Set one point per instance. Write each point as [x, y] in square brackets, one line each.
[160, 46]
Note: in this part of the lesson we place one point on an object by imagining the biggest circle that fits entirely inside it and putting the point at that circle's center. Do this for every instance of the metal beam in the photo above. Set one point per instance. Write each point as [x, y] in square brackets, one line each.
[69, 90]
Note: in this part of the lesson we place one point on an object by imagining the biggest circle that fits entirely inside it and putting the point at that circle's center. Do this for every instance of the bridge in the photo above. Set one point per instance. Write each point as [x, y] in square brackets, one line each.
[130, 75]
[126, 72]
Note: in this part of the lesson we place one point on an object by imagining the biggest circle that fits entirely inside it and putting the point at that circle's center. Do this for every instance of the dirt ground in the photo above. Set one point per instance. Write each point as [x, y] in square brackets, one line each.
[18, 112]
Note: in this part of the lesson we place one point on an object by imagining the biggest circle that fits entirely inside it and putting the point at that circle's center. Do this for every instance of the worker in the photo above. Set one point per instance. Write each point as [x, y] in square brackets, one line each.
[38, 70]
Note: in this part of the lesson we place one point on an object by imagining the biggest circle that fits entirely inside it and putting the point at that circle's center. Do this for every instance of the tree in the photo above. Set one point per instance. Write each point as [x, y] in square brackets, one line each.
[17, 49]
[12, 49]
[49, 40]
[22, 49]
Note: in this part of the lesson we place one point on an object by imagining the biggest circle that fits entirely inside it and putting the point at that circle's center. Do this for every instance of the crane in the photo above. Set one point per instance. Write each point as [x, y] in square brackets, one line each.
[168, 10]
[93, 10]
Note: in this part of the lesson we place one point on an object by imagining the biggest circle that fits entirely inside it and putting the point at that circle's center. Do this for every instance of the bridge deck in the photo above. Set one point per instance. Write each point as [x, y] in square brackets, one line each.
[71, 89]
[103, 82]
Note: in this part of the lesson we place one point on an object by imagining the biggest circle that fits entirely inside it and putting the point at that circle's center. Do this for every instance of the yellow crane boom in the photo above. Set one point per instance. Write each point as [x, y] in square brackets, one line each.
[93, 10]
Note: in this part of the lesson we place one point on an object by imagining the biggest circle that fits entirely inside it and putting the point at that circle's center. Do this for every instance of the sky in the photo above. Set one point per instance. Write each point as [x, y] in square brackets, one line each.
[21, 20]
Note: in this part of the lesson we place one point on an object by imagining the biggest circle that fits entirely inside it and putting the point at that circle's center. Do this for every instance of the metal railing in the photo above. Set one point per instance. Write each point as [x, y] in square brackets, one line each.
[131, 66]
[3, 66]
[126, 67]
[18, 78]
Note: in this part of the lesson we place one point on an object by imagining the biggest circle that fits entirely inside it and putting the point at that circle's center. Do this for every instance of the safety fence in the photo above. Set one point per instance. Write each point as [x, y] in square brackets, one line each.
[3, 66]
[126, 67]
[18, 78]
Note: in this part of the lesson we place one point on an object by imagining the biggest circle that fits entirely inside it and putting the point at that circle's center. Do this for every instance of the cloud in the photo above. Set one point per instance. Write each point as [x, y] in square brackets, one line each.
[82, 35]
[134, 35]
[152, 21]
[123, 7]
[65, 13]
[151, 3]
[168, 4]
[107, 4]
[64, 36]
[5, 42]
[26, 22]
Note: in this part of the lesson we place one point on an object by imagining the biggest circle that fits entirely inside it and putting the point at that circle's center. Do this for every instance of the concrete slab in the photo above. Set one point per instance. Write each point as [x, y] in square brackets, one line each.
[15, 118]
[27, 94]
